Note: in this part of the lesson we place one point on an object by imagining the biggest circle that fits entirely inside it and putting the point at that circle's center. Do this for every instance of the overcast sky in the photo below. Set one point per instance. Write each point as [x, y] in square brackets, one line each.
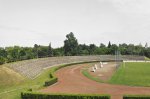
[29, 22]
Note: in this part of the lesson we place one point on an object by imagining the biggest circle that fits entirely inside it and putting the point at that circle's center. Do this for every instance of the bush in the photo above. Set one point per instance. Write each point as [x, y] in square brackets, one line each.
[30, 95]
[2, 60]
[50, 75]
[136, 97]
[30, 89]
[50, 82]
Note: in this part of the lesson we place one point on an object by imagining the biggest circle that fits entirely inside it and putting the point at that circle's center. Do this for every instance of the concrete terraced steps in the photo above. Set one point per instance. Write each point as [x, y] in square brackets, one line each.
[32, 68]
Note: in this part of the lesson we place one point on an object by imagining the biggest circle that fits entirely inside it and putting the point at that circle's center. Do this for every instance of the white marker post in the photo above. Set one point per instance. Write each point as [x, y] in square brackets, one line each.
[93, 69]
[101, 64]
[95, 66]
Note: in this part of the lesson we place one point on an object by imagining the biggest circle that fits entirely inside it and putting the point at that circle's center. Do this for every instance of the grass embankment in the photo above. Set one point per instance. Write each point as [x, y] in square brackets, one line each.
[12, 84]
[132, 74]
[9, 77]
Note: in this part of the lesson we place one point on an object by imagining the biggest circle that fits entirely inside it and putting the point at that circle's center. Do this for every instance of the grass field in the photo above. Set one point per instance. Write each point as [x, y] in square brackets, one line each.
[132, 74]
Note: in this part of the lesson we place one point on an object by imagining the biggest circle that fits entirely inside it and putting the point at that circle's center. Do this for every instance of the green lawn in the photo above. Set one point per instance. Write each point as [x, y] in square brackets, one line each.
[133, 74]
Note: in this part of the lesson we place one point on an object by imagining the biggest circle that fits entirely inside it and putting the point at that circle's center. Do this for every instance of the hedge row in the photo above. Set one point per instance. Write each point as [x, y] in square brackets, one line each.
[53, 79]
[136, 97]
[31, 95]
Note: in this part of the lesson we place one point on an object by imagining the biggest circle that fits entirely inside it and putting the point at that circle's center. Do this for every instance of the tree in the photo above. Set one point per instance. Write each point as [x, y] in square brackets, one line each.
[102, 45]
[13, 53]
[2, 60]
[42, 51]
[123, 48]
[146, 45]
[58, 51]
[29, 53]
[70, 45]
[113, 48]
[3, 52]
[130, 49]
[92, 49]
[83, 49]
[109, 44]
[22, 54]
[50, 50]
[36, 50]
[147, 52]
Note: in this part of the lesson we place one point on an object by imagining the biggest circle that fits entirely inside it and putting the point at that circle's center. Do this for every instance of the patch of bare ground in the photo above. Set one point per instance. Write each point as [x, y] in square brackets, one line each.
[104, 73]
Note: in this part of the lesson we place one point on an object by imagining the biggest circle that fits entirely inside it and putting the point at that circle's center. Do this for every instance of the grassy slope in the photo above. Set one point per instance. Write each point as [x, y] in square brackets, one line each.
[17, 85]
[133, 74]
[24, 85]
[8, 78]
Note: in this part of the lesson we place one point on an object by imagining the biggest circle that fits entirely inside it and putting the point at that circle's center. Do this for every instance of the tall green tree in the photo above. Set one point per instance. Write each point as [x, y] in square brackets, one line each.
[109, 44]
[83, 49]
[102, 45]
[109, 48]
[3, 52]
[147, 52]
[92, 49]
[70, 45]
[58, 51]
[2, 60]
[113, 48]
[146, 45]
[36, 48]
[50, 50]
[123, 48]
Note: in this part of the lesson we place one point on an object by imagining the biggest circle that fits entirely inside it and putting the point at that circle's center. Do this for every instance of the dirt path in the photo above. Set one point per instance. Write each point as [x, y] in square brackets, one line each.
[71, 80]
[103, 73]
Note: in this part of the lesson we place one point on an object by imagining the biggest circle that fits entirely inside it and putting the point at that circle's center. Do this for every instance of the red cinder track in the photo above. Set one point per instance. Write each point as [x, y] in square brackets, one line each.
[71, 80]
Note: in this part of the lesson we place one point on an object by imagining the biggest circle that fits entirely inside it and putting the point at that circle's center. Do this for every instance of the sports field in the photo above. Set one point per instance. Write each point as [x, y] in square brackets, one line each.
[132, 74]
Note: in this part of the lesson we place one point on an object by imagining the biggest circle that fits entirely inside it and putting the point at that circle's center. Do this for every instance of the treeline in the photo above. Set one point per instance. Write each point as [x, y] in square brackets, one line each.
[70, 48]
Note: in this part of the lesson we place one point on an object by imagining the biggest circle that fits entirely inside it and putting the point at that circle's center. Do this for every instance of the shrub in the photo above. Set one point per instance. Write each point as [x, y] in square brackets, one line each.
[136, 97]
[50, 82]
[50, 75]
[30, 89]
[2, 60]
[31, 95]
